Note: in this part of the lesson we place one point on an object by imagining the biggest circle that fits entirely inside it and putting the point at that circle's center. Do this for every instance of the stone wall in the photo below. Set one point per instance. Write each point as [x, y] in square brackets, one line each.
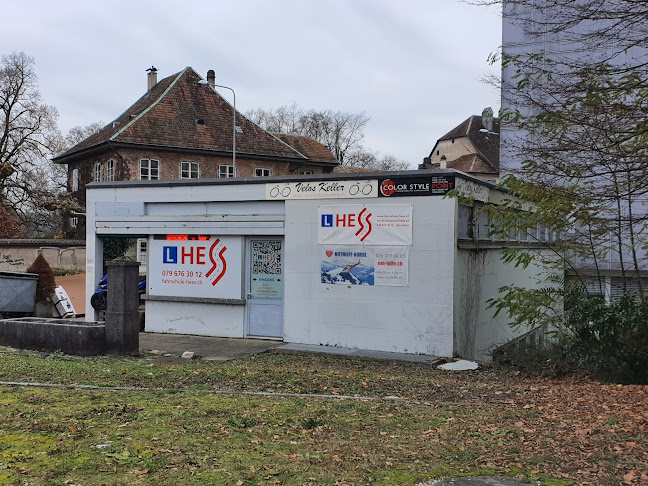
[18, 255]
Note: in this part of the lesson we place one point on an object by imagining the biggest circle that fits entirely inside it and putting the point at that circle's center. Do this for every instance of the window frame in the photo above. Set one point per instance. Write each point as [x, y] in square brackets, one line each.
[229, 171]
[97, 172]
[190, 171]
[256, 169]
[149, 168]
[110, 170]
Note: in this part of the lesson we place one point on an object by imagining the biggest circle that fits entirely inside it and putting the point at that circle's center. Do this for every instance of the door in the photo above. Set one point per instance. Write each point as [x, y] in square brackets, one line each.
[265, 285]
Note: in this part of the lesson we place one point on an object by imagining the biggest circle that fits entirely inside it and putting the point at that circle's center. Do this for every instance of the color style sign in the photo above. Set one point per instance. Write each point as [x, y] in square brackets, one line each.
[371, 224]
[415, 186]
[210, 267]
[322, 189]
[365, 265]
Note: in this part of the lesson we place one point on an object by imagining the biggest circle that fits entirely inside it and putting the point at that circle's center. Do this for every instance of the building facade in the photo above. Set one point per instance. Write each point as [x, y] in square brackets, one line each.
[182, 128]
[379, 261]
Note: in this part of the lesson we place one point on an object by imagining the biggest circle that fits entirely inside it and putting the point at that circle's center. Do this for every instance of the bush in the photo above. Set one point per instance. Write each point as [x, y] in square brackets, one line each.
[64, 272]
[550, 359]
[46, 284]
[610, 340]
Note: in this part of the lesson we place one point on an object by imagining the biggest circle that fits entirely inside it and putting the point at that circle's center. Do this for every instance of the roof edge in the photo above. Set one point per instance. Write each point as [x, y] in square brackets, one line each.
[149, 107]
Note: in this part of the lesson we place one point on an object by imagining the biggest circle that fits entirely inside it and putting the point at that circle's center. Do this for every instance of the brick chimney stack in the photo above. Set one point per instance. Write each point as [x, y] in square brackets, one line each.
[211, 77]
[151, 78]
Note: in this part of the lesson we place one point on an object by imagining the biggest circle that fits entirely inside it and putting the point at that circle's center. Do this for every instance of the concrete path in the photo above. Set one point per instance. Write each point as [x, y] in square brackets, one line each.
[208, 348]
[478, 481]
[223, 349]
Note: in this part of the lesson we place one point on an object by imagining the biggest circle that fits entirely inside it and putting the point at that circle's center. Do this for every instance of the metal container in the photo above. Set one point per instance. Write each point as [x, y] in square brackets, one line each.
[17, 291]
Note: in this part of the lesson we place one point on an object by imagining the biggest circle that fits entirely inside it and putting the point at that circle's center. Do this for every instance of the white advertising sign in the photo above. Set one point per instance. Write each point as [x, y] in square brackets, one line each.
[365, 265]
[322, 189]
[208, 267]
[370, 224]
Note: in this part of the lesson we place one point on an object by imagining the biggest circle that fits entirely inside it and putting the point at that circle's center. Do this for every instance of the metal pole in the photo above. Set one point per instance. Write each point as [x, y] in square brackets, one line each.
[233, 126]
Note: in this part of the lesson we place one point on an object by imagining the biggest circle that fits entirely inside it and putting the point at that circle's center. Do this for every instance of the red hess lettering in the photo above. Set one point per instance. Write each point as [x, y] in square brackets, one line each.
[190, 255]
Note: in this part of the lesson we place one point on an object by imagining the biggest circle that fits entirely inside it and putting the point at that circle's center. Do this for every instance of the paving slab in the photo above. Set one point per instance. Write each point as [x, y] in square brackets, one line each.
[358, 353]
[223, 349]
[209, 348]
[479, 481]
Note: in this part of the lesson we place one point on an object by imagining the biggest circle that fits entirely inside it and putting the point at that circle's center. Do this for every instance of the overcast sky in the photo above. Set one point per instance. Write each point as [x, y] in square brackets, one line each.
[414, 66]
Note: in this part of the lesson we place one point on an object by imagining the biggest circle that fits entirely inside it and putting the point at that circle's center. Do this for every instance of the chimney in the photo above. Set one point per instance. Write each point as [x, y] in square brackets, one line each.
[152, 78]
[487, 118]
[211, 77]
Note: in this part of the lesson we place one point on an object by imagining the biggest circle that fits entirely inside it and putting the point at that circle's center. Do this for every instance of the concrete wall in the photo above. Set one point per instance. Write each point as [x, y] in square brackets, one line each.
[479, 274]
[17, 257]
[414, 319]
[452, 149]
[195, 318]
[442, 310]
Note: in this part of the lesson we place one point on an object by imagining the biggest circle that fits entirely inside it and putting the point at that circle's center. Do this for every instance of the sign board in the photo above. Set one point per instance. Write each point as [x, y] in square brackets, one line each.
[415, 186]
[365, 265]
[472, 189]
[322, 189]
[266, 278]
[205, 267]
[370, 224]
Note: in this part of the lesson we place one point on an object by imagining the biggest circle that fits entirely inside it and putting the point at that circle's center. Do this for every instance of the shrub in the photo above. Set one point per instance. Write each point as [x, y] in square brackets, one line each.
[610, 340]
[46, 283]
[9, 227]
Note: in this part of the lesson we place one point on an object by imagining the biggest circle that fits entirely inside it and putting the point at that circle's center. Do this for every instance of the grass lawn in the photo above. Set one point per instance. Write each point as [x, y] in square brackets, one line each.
[491, 421]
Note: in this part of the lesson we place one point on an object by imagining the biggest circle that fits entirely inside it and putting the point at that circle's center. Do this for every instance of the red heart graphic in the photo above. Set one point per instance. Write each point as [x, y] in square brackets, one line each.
[329, 253]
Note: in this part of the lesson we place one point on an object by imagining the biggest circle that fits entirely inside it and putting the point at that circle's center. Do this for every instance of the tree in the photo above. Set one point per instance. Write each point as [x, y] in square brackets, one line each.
[574, 98]
[9, 227]
[342, 133]
[575, 89]
[28, 136]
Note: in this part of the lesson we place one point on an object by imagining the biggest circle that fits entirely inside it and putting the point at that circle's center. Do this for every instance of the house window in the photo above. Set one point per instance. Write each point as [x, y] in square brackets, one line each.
[261, 172]
[75, 180]
[97, 172]
[110, 170]
[74, 222]
[142, 253]
[306, 172]
[149, 169]
[189, 170]
[225, 171]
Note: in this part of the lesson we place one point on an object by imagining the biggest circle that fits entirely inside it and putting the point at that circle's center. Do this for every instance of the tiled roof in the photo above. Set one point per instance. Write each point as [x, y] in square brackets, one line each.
[308, 147]
[345, 169]
[472, 164]
[486, 144]
[180, 113]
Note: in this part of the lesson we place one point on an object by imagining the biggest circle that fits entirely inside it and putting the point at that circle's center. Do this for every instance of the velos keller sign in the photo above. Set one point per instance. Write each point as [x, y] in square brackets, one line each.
[200, 266]
[322, 189]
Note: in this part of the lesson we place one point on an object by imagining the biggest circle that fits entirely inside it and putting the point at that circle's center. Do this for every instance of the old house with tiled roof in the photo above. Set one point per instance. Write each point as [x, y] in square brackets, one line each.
[471, 147]
[182, 128]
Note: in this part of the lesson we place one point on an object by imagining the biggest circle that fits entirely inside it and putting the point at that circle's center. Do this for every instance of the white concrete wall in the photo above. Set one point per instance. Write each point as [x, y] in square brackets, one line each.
[478, 276]
[195, 318]
[413, 319]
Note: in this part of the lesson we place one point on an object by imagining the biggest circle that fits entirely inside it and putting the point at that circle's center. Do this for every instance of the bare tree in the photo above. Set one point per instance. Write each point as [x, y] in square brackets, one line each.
[574, 101]
[28, 135]
[342, 133]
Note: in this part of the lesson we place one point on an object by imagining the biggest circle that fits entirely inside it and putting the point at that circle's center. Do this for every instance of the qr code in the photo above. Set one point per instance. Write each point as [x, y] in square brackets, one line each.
[266, 257]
